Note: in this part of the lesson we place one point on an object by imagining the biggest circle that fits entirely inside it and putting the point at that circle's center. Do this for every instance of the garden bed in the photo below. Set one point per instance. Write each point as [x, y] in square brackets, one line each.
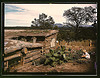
[77, 65]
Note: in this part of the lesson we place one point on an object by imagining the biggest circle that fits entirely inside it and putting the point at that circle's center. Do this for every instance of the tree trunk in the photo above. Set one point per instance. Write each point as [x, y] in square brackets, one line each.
[76, 32]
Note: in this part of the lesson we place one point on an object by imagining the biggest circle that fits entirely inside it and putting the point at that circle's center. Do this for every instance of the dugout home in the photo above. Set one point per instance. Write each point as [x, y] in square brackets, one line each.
[25, 46]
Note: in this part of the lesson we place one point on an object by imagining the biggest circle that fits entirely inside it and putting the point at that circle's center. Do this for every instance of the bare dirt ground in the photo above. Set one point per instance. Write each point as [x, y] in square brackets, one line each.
[65, 67]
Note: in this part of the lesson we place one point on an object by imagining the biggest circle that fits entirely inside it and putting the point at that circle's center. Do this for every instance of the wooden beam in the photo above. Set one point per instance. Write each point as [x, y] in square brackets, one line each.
[13, 56]
[7, 64]
[12, 50]
[34, 40]
[25, 44]
[33, 51]
[25, 50]
[32, 54]
[32, 58]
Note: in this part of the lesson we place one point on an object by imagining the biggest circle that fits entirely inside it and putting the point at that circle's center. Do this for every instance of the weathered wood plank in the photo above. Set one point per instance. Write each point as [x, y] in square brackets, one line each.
[32, 58]
[13, 56]
[32, 54]
[5, 63]
[5, 68]
[46, 48]
[10, 50]
[47, 45]
[21, 45]
[33, 51]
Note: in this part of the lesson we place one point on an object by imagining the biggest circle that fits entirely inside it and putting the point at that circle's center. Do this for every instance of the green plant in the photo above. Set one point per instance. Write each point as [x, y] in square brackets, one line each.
[63, 48]
[60, 55]
[36, 62]
[69, 49]
[57, 56]
[77, 54]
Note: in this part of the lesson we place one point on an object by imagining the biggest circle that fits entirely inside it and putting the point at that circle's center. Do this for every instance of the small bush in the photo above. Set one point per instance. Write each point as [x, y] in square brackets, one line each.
[69, 49]
[42, 60]
[57, 56]
[60, 55]
[77, 54]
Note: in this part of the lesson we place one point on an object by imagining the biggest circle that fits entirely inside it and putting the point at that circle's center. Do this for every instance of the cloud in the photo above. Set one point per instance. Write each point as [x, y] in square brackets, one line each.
[24, 18]
[12, 8]
[23, 14]
[17, 16]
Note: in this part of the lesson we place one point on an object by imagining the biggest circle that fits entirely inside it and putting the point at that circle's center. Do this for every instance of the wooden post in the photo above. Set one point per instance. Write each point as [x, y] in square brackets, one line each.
[25, 40]
[22, 60]
[42, 50]
[90, 43]
[25, 50]
[34, 40]
[34, 63]
[17, 38]
[44, 45]
[7, 64]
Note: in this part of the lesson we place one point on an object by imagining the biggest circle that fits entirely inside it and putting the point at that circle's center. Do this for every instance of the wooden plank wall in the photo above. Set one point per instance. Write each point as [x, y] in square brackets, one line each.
[32, 56]
[29, 57]
[47, 42]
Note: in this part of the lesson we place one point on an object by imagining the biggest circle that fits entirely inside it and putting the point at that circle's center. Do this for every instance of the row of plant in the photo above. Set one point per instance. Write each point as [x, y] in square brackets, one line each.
[60, 55]
[63, 55]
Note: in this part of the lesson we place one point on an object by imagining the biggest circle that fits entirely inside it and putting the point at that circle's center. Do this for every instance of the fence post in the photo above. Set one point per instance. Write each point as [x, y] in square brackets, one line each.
[42, 51]
[90, 43]
[34, 40]
[7, 64]
[22, 60]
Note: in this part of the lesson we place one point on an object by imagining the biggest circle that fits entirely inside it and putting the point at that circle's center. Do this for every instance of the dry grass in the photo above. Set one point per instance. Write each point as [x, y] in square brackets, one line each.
[77, 45]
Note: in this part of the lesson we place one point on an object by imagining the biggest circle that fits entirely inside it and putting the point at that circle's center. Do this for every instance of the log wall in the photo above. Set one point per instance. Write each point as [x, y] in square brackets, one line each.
[25, 57]
[47, 42]
[29, 56]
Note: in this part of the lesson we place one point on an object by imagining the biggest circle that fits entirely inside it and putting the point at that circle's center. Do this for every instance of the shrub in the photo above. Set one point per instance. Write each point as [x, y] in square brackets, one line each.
[69, 49]
[60, 55]
[77, 54]
[57, 56]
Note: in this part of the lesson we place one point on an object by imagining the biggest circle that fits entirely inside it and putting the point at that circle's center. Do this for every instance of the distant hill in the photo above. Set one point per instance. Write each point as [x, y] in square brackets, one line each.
[86, 26]
[59, 24]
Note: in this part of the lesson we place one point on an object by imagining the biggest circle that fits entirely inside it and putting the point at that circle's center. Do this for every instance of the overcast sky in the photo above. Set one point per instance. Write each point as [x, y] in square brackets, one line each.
[23, 14]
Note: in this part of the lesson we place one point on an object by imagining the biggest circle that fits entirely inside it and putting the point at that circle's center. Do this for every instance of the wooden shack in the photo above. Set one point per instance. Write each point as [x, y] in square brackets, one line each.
[45, 37]
[29, 45]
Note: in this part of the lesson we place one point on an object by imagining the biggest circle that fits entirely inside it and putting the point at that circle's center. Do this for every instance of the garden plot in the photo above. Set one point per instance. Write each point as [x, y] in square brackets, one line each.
[60, 59]
[68, 62]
